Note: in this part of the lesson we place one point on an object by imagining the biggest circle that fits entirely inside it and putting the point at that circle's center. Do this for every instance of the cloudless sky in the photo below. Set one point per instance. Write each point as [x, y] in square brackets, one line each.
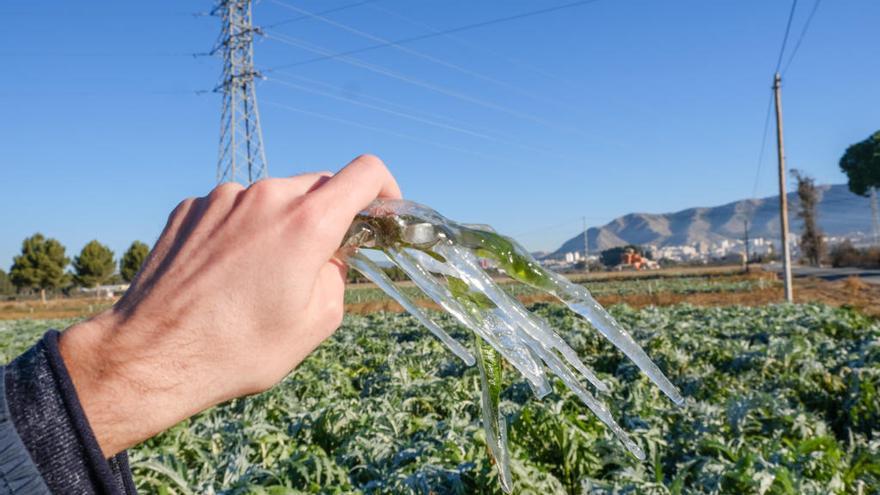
[596, 110]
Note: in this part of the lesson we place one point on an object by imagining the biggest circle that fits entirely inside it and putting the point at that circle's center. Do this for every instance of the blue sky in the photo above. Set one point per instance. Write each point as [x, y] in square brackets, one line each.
[596, 110]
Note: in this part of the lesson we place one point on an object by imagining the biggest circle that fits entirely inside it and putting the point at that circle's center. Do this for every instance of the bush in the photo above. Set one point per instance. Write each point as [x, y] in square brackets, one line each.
[845, 254]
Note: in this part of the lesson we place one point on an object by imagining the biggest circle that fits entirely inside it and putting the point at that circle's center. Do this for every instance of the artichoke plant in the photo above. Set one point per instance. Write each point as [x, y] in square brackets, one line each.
[445, 260]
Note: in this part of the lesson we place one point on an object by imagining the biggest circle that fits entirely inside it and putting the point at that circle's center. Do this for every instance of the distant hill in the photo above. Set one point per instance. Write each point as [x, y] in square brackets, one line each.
[840, 213]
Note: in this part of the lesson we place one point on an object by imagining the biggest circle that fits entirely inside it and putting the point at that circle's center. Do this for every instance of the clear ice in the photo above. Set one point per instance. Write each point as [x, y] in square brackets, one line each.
[443, 259]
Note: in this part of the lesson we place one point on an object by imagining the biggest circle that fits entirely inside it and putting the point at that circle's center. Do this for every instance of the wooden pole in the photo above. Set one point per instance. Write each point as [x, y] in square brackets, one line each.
[783, 199]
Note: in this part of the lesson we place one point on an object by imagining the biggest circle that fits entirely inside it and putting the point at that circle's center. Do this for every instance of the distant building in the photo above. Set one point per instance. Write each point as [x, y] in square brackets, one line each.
[105, 291]
[573, 256]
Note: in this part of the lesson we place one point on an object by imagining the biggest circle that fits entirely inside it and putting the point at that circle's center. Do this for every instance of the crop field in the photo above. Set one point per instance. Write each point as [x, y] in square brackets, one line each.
[674, 285]
[781, 399]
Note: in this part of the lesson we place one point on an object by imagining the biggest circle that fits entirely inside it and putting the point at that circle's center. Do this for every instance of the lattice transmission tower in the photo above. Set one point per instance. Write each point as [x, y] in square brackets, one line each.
[241, 157]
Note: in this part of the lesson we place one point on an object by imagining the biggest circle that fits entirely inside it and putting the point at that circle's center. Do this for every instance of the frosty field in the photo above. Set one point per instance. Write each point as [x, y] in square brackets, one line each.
[780, 399]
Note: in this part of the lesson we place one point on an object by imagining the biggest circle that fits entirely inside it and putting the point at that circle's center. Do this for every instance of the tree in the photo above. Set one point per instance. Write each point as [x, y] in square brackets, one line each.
[6, 286]
[861, 164]
[40, 265]
[132, 260]
[812, 244]
[94, 265]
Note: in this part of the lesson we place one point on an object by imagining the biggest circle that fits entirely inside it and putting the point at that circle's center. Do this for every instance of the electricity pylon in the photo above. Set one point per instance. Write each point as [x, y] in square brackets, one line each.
[241, 157]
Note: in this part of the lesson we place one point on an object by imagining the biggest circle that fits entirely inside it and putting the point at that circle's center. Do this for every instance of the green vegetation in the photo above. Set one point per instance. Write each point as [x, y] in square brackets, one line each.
[6, 286]
[861, 164]
[675, 285]
[132, 260]
[40, 266]
[781, 400]
[94, 266]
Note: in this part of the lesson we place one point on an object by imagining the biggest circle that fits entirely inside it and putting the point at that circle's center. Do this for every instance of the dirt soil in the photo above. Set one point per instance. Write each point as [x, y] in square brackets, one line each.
[853, 293]
[850, 292]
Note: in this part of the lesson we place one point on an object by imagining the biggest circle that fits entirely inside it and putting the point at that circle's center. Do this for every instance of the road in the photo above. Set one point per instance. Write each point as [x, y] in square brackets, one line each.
[871, 276]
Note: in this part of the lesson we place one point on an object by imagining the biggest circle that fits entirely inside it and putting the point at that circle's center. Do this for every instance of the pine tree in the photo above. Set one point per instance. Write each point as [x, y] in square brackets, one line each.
[861, 164]
[94, 265]
[6, 286]
[132, 260]
[40, 265]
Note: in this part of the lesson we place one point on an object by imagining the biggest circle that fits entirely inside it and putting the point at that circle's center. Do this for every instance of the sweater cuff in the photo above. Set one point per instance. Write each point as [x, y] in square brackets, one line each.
[52, 425]
[18, 473]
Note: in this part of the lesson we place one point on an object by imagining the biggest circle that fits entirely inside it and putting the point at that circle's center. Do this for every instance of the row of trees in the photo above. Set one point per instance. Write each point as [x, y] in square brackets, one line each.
[42, 266]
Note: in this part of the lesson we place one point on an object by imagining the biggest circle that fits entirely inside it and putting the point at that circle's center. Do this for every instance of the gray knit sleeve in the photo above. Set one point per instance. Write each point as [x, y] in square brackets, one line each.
[49, 421]
[18, 473]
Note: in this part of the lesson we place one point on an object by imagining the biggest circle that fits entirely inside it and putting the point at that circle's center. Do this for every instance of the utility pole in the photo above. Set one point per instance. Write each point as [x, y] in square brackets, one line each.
[586, 245]
[748, 256]
[783, 199]
[241, 157]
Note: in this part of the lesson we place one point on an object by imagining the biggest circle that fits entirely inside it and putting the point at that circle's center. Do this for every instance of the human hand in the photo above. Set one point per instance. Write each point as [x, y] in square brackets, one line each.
[241, 286]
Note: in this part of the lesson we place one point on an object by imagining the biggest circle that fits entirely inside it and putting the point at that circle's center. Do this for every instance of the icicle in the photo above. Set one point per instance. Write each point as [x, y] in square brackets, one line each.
[376, 275]
[486, 325]
[467, 267]
[461, 260]
[579, 300]
[489, 362]
[519, 264]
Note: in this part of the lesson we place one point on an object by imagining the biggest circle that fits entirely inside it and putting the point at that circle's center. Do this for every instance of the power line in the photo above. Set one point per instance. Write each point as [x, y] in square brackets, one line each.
[94, 54]
[415, 53]
[801, 37]
[387, 103]
[432, 121]
[458, 29]
[389, 111]
[376, 129]
[785, 37]
[57, 92]
[770, 99]
[328, 11]
[478, 47]
[101, 13]
[416, 82]
[763, 145]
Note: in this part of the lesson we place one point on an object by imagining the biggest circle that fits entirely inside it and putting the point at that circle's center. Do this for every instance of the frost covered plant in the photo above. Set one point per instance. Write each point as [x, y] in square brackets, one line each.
[443, 259]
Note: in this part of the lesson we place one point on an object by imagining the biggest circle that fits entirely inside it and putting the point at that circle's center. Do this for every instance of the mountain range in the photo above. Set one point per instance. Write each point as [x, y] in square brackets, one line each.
[840, 213]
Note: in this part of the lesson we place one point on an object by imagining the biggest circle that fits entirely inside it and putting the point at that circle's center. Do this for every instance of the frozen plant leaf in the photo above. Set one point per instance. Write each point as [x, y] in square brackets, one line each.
[494, 423]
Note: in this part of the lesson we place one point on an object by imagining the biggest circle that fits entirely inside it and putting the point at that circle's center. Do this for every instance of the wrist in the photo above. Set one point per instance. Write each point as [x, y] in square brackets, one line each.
[129, 390]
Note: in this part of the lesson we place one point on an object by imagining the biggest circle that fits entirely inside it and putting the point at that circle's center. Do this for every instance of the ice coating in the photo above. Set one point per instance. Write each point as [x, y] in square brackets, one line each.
[494, 422]
[486, 325]
[467, 267]
[375, 274]
[443, 259]
[519, 264]
[465, 264]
